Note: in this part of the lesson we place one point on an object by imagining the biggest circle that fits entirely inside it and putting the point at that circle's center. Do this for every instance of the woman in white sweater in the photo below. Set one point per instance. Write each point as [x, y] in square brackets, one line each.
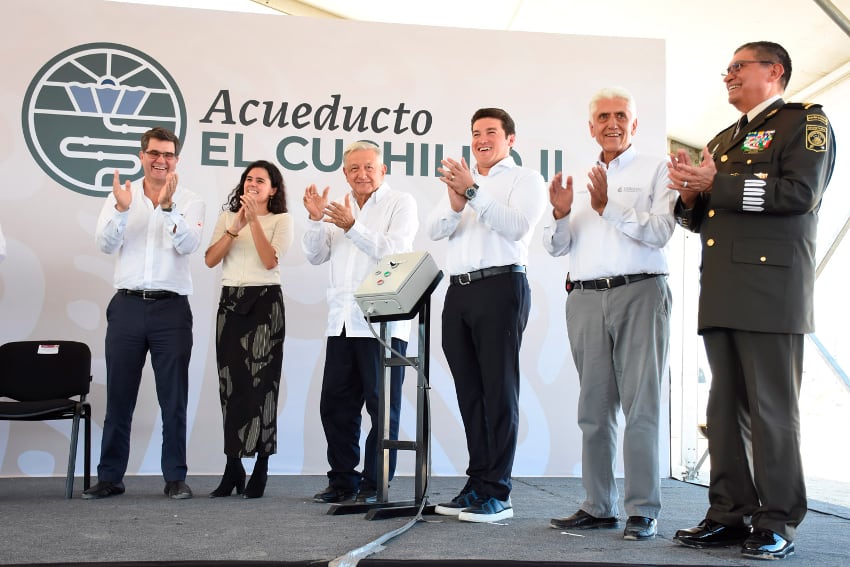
[253, 231]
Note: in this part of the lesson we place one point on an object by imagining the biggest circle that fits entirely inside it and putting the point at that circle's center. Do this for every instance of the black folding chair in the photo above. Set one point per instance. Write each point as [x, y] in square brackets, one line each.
[43, 378]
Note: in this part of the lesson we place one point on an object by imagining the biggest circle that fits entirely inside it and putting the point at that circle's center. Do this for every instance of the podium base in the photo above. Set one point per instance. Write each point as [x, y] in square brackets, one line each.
[380, 510]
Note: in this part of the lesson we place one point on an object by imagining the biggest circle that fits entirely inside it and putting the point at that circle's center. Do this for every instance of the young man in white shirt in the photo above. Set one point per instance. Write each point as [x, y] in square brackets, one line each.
[488, 216]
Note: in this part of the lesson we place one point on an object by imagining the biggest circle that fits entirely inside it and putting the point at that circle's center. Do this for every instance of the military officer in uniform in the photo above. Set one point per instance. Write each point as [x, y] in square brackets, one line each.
[754, 200]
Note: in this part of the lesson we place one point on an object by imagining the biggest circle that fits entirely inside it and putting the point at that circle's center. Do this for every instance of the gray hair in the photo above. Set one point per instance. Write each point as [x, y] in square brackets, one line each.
[362, 145]
[613, 92]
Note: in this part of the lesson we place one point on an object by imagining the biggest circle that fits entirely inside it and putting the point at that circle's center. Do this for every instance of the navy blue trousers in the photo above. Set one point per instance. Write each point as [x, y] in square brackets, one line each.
[351, 378]
[136, 326]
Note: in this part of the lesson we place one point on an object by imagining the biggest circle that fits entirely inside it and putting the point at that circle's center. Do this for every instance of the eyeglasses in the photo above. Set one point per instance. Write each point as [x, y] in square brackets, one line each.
[736, 66]
[156, 154]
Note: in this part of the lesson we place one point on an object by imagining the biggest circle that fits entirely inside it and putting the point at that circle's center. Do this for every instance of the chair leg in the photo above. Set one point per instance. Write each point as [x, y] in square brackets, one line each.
[72, 458]
[87, 447]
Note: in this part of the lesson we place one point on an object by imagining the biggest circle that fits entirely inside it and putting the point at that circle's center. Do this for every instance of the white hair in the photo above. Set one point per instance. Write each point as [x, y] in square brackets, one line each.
[362, 145]
[613, 92]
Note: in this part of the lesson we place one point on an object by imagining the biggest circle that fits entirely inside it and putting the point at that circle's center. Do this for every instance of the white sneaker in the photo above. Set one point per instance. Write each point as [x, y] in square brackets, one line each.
[463, 500]
[487, 510]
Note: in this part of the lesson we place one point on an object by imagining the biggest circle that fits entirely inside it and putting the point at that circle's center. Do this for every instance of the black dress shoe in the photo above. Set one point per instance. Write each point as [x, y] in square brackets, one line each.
[367, 495]
[581, 520]
[712, 534]
[177, 489]
[332, 495]
[765, 544]
[640, 528]
[104, 489]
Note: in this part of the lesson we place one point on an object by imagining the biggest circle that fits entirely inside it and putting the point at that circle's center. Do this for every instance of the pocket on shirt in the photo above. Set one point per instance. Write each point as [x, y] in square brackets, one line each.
[764, 252]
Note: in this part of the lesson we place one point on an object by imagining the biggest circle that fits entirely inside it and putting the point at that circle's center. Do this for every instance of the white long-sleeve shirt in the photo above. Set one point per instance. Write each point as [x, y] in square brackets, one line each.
[635, 226]
[386, 224]
[495, 228]
[153, 246]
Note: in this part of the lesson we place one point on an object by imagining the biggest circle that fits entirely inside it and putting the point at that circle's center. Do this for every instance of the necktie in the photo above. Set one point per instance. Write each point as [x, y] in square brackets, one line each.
[742, 123]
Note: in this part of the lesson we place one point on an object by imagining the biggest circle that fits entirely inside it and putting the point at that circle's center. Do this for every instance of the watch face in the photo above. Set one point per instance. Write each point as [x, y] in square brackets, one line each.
[470, 192]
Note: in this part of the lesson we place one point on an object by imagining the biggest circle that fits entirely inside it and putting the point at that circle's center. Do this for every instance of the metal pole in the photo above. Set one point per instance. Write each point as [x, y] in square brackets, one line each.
[837, 16]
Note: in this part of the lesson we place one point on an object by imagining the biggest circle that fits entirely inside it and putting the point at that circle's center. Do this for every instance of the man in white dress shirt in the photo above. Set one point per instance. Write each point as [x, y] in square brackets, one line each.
[153, 225]
[618, 313]
[488, 215]
[373, 220]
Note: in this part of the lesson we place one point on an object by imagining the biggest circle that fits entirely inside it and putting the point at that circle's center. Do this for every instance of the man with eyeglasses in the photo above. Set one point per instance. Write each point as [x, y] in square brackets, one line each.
[754, 200]
[153, 225]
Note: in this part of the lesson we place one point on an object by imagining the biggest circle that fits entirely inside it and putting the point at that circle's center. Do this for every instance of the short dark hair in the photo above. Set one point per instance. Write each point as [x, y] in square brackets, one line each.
[160, 133]
[507, 122]
[769, 51]
[277, 202]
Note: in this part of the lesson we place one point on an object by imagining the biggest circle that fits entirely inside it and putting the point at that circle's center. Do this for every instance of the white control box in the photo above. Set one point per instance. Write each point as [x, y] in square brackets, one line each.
[396, 285]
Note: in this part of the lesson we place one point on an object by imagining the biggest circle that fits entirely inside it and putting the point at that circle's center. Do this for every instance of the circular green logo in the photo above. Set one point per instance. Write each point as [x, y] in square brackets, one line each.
[85, 111]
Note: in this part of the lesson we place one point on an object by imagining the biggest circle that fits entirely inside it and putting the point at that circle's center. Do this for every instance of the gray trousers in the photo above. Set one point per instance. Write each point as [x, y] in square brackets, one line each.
[620, 341]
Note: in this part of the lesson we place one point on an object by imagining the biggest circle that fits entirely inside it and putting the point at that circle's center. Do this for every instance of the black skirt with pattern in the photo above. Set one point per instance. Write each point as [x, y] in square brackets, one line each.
[250, 329]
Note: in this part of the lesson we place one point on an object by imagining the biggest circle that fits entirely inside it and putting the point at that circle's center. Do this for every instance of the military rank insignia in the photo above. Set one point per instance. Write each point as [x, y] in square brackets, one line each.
[757, 141]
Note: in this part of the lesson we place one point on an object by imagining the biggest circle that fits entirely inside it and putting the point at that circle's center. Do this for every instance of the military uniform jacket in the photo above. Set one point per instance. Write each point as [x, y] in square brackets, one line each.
[758, 225]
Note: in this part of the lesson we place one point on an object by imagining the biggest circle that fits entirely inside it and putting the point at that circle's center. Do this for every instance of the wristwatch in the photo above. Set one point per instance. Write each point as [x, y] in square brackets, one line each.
[168, 209]
[471, 192]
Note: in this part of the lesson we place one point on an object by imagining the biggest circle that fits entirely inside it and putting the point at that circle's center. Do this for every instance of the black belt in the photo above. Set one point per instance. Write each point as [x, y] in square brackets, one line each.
[149, 293]
[607, 283]
[469, 277]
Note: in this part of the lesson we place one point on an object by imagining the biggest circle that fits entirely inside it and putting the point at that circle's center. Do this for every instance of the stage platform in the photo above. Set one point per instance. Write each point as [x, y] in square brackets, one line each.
[285, 527]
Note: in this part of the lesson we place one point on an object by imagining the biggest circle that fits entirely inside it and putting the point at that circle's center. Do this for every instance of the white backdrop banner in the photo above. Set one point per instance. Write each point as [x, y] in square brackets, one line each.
[80, 86]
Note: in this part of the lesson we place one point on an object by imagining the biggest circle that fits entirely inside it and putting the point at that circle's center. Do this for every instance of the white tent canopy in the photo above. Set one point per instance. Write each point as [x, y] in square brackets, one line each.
[700, 38]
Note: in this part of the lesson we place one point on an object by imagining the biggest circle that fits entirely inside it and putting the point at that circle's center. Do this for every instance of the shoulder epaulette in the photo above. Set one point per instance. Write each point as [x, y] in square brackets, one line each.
[802, 105]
